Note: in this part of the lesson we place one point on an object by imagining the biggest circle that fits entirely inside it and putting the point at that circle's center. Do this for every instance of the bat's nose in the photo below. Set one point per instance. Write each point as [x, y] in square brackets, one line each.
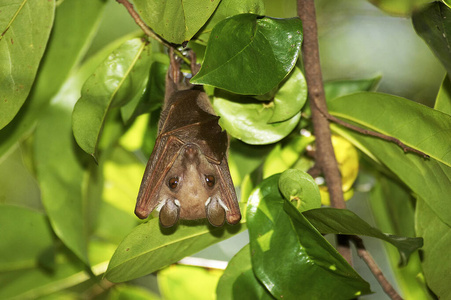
[191, 152]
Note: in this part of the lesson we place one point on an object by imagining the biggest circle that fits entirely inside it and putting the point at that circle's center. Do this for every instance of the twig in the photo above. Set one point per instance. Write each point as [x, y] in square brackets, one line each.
[374, 268]
[325, 156]
[148, 31]
[379, 135]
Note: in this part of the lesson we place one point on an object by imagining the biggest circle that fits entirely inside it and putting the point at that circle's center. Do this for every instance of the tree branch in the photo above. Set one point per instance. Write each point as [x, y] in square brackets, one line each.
[374, 268]
[324, 156]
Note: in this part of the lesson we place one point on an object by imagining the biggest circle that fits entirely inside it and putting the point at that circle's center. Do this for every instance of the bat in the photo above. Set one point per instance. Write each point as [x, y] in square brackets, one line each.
[187, 176]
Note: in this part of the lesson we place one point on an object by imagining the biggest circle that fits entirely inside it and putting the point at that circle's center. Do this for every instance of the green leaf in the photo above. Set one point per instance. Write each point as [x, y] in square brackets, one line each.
[120, 78]
[247, 119]
[59, 168]
[290, 98]
[399, 7]
[226, 9]
[335, 89]
[25, 27]
[239, 281]
[74, 26]
[416, 125]
[300, 189]
[149, 247]
[249, 54]
[131, 292]
[188, 282]
[443, 100]
[174, 20]
[437, 243]
[290, 257]
[342, 221]
[393, 211]
[429, 179]
[27, 235]
[37, 281]
[433, 24]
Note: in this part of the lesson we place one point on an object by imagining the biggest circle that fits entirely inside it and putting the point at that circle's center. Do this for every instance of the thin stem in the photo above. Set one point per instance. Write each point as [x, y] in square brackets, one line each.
[148, 31]
[374, 268]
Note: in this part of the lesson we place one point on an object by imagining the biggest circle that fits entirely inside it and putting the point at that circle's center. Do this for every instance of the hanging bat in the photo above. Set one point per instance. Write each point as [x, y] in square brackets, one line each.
[187, 176]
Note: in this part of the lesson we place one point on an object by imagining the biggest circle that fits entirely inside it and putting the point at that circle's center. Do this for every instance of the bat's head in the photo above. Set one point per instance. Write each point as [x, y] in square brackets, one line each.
[190, 189]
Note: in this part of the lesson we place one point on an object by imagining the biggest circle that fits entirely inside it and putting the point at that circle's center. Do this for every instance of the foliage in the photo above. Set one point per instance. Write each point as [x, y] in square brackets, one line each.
[67, 219]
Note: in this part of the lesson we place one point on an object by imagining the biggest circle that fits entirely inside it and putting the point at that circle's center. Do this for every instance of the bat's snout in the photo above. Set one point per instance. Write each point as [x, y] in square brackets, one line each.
[191, 152]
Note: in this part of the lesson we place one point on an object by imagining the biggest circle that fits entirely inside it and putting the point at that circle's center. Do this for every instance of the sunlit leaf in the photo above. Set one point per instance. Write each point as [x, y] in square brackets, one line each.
[74, 25]
[300, 189]
[149, 247]
[188, 282]
[335, 89]
[117, 80]
[247, 119]
[25, 28]
[443, 101]
[399, 7]
[226, 9]
[290, 257]
[176, 21]
[250, 55]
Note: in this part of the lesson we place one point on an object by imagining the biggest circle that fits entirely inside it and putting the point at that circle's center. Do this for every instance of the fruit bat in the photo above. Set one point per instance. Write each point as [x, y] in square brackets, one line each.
[187, 176]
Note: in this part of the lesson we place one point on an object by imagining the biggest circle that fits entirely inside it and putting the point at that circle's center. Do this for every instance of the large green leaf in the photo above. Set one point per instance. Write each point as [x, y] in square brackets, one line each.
[342, 221]
[250, 55]
[429, 179]
[414, 124]
[174, 20]
[117, 80]
[59, 168]
[437, 242]
[239, 281]
[290, 257]
[149, 247]
[26, 236]
[25, 27]
[433, 24]
[226, 9]
[75, 23]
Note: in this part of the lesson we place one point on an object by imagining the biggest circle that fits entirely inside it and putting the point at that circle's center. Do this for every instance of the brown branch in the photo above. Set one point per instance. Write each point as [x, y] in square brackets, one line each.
[374, 268]
[325, 156]
[379, 135]
[148, 31]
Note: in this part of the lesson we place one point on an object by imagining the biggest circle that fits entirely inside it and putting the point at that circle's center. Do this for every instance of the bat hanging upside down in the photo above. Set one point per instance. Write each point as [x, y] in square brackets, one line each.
[187, 175]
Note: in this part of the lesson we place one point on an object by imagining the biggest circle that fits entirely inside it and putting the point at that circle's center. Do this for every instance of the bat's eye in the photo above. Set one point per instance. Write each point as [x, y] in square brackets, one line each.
[173, 182]
[210, 179]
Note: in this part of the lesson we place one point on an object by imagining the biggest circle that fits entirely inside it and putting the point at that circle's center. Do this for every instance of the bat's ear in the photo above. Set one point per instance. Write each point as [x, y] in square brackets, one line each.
[215, 212]
[170, 213]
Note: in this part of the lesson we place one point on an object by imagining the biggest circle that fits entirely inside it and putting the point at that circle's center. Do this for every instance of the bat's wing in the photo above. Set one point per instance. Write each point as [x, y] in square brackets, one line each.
[191, 119]
[165, 152]
[228, 195]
